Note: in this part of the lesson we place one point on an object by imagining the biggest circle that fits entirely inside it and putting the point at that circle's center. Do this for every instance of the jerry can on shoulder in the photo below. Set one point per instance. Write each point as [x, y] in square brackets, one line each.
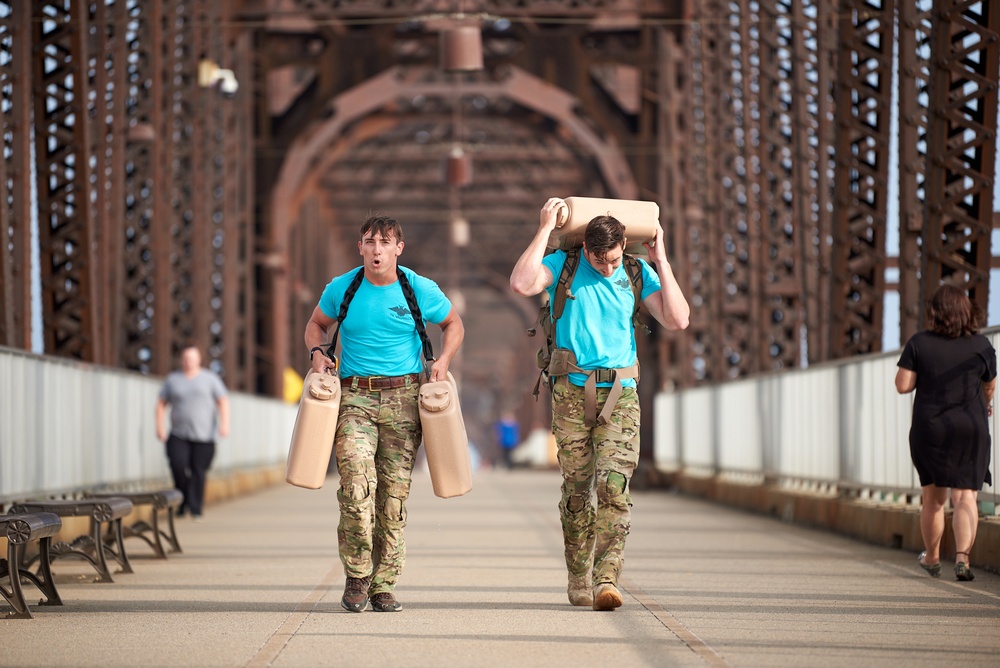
[639, 217]
[314, 431]
[446, 442]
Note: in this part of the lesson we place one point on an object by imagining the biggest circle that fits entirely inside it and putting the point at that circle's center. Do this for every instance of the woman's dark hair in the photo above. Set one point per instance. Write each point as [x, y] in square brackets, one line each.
[604, 233]
[952, 314]
[384, 226]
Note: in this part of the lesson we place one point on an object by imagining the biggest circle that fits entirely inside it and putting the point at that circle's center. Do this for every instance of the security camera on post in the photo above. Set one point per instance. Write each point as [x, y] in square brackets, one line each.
[210, 75]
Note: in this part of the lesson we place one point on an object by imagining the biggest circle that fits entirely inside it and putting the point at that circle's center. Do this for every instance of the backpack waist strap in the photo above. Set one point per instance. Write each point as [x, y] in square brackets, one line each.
[564, 363]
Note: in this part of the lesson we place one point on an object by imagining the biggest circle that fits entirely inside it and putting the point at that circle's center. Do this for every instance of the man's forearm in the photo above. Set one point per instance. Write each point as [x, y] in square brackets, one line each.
[676, 309]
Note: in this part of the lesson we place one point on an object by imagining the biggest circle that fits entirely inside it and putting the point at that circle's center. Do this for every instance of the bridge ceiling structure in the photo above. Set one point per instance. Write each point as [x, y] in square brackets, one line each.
[146, 204]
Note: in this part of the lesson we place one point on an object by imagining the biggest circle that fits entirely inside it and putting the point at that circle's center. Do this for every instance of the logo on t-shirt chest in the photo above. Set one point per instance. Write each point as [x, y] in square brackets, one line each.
[400, 312]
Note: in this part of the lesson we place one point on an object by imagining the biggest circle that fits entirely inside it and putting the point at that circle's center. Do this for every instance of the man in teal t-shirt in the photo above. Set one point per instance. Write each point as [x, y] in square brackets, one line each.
[596, 326]
[378, 431]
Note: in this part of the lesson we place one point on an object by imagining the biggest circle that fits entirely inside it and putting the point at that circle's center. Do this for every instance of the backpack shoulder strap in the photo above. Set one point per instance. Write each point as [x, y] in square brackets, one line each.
[633, 268]
[352, 289]
[418, 319]
[565, 281]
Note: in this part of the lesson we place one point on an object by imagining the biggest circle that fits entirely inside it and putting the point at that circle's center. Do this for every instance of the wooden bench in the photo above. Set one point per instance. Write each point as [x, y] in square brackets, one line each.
[91, 548]
[20, 530]
[168, 500]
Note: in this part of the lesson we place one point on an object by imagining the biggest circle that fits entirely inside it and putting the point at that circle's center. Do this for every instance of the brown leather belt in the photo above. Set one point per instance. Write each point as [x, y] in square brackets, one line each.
[376, 383]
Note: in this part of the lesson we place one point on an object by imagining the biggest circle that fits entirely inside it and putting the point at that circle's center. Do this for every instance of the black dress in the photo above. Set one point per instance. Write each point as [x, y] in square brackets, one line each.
[949, 434]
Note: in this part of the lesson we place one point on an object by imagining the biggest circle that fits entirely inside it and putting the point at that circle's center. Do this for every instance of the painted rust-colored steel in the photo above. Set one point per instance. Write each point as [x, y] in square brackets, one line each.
[863, 94]
[62, 134]
[237, 284]
[818, 318]
[145, 142]
[750, 355]
[675, 359]
[914, 79]
[15, 170]
[962, 141]
[703, 183]
[107, 149]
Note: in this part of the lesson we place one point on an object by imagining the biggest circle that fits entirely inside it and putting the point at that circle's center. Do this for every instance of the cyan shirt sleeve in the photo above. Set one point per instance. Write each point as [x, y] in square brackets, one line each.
[333, 293]
[329, 301]
[434, 305]
[554, 261]
[650, 279]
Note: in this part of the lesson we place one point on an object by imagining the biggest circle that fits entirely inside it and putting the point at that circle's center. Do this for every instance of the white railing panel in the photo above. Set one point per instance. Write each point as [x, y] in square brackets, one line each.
[838, 422]
[67, 426]
[698, 427]
[993, 491]
[739, 427]
[807, 425]
[666, 431]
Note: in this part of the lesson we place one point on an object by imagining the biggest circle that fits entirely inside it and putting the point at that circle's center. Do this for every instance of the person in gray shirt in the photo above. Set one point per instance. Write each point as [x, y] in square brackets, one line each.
[198, 406]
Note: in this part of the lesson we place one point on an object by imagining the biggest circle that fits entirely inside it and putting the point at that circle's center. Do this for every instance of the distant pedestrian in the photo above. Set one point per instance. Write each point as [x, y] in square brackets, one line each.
[199, 404]
[597, 367]
[508, 437]
[953, 369]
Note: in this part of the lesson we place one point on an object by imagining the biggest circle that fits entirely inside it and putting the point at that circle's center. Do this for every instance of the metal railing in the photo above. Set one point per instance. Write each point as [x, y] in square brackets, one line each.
[68, 426]
[834, 426]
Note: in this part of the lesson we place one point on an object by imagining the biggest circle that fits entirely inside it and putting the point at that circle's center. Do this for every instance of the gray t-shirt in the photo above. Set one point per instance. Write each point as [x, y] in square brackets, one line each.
[193, 404]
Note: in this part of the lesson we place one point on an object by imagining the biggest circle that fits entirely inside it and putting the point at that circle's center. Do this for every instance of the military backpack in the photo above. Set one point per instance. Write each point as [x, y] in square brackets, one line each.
[554, 362]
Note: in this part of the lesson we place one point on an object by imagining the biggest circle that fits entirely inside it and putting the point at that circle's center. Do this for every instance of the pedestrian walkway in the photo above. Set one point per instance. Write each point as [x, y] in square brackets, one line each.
[259, 584]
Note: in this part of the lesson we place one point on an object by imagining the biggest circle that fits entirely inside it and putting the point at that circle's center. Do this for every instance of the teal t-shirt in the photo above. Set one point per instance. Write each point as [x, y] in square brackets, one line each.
[597, 324]
[378, 336]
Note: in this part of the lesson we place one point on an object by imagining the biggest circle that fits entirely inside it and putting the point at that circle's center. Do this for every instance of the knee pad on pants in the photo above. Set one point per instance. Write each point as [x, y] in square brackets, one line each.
[357, 487]
[612, 488]
[393, 509]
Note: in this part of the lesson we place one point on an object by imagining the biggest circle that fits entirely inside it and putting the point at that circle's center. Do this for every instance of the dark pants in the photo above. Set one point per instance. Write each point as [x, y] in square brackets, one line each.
[189, 462]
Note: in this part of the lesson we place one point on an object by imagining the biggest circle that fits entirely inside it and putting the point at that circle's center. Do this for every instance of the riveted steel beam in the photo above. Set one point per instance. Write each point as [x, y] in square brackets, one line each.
[62, 121]
[914, 55]
[15, 175]
[864, 92]
[961, 145]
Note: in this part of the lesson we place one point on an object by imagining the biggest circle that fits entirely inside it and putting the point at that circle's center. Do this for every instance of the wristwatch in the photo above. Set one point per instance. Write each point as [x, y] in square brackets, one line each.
[313, 350]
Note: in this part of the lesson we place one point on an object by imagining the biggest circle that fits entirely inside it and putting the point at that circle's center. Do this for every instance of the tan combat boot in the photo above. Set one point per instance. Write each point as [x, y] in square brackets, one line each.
[607, 597]
[579, 591]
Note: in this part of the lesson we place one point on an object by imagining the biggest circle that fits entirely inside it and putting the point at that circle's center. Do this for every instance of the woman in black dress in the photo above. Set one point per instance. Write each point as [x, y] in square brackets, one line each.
[953, 369]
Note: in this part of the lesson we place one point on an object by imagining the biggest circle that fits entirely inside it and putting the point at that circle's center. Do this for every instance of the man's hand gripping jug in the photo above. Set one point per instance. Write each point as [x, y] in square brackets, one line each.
[446, 442]
[315, 428]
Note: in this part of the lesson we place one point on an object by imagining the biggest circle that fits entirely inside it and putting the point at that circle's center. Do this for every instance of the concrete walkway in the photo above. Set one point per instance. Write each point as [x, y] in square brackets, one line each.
[259, 584]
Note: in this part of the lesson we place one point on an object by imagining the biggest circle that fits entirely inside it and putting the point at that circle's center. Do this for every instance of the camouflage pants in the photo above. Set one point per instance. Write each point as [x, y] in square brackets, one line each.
[604, 457]
[378, 434]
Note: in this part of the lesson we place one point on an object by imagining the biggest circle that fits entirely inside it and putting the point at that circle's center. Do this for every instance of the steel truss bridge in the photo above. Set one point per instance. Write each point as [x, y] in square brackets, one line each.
[158, 204]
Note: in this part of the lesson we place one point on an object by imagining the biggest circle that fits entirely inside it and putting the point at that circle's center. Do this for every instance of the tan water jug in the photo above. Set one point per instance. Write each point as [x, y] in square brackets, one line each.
[314, 431]
[639, 217]
[446, 442]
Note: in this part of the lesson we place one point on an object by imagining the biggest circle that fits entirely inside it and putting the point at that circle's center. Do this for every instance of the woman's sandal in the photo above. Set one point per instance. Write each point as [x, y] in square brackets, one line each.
[934, 570]
[962, 571]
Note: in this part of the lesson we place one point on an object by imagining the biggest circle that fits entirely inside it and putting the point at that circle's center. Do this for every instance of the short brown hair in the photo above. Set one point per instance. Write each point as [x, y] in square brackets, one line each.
[952, 314]
[604, 233]
[382, 225]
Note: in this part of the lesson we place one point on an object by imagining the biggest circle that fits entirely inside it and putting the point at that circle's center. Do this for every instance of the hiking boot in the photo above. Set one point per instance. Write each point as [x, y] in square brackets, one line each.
[385, 602]
[607, 597]
[580, 591]
[356, 594]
